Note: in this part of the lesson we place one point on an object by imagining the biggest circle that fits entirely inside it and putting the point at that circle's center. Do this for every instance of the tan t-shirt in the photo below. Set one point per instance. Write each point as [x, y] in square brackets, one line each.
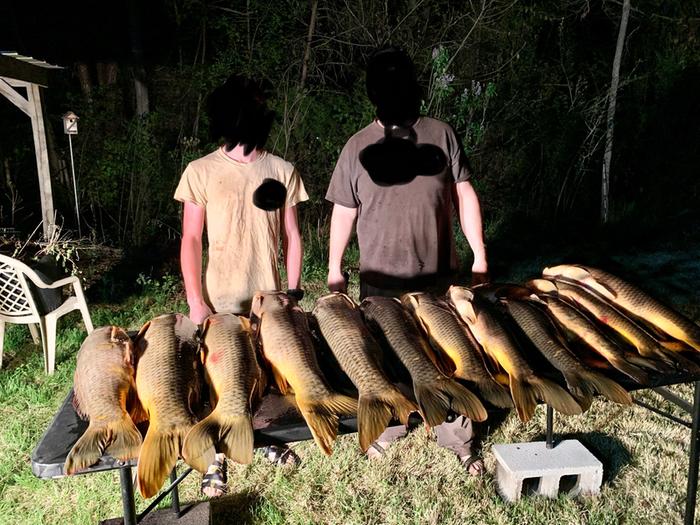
[243, 239]
[404, 231]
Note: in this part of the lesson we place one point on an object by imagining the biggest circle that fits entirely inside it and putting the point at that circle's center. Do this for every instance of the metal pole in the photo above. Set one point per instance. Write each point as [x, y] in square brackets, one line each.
[75, 186]
[550, 427]
[128, 505]
[691, 494]
[175, 495]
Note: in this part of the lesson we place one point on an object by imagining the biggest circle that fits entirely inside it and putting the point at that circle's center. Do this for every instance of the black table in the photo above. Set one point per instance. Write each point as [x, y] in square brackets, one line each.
[276, 422]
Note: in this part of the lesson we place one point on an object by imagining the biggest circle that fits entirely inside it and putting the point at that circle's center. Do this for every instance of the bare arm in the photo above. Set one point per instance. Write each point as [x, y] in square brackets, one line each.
[292, 246]
[469, 211]
[342, 222]
[191, 261]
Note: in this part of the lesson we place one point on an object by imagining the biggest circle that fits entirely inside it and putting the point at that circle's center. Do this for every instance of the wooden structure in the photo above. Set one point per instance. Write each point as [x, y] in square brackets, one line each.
[22, 72]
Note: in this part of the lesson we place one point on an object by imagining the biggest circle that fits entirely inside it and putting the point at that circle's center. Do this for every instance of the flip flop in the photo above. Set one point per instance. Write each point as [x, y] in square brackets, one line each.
[214, 482]
[375, 451]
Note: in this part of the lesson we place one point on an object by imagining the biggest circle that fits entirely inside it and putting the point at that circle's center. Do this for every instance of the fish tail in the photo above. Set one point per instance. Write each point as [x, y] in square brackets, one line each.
[159, 454]
[374, 412]
[633, 370]
[126, 439]
[436, 399]
[579, 388]
[523, 398]
[495, 393]
[607, 387]
[232, 435]
[321, 416]
[554, 395]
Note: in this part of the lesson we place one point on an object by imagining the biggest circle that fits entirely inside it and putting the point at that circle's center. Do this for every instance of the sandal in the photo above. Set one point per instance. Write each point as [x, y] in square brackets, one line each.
[375, 451]
[214, 481]
[473, 464]
[280, 456]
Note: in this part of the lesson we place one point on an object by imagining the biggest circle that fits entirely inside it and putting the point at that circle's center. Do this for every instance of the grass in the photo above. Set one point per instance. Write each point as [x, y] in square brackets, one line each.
[644, 455]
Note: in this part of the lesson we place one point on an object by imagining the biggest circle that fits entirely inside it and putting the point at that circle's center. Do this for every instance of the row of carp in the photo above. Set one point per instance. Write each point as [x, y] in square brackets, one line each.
[508, 345]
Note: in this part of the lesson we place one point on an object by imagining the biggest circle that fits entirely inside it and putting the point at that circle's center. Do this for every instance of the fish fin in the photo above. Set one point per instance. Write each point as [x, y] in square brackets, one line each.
[439, 358]
[126, 439]
[245, 323]
[632, 368]
[158, 456]
[121, 439]
[673, 346]
[648, 362]
[77, 405]
[280, 380]
[554, 395]
[322, 417]
[143, 330]
[374, 412]
[232, 435]
[579, 389]
[523, 398]
[496, 393]
[435, 400]
[681, 362]
[607, 387]
[134, 407]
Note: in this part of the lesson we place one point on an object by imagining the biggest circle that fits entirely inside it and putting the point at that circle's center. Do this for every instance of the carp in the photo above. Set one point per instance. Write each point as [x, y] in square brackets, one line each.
[283, 331]
[629, 363]
[581, 381]
[645, 344]
[435, 393]
[340, 322]
[632, 300]
[525, 386]
[449, 336]
[168, 387]
[102, 384]
[236, 382]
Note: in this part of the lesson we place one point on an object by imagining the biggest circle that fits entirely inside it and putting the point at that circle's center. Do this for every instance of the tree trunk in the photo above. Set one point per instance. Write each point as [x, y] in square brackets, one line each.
[84, 78]
[612, 101]
[138, 71]
[309, 37]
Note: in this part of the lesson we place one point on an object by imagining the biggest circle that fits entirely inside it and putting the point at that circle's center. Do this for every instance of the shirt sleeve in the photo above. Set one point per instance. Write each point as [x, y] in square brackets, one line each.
[458, 159]
[342, 188]
[296, 192]
[191, 188]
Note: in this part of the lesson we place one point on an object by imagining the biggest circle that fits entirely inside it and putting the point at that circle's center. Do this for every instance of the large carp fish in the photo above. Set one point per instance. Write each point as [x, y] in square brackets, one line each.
[103, 388]
[168, 386]
[358, 353]
[631, 299]
[435, 393]
[581, 381]
[236, 384]
[574, 322]
[526, 387]
[608, 315]
[450, 337]
[287, 344]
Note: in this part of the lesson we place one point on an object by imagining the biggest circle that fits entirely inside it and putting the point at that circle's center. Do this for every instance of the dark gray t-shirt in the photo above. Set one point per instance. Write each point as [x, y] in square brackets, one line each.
[404, 231]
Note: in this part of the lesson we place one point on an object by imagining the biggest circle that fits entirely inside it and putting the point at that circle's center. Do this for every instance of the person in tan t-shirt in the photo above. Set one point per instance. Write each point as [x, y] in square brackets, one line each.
[247, 199]
[397, 180]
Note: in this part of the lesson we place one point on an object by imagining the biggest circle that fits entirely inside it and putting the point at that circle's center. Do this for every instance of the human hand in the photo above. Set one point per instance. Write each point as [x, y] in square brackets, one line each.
[199, 311]
[480, 273]
[337, 282]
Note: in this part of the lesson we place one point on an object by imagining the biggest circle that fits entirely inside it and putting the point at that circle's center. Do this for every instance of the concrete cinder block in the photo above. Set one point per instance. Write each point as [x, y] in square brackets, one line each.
[568, 467]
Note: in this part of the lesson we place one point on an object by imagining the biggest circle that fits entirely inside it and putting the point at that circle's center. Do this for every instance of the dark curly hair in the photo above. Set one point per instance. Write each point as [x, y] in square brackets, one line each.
[238, 113]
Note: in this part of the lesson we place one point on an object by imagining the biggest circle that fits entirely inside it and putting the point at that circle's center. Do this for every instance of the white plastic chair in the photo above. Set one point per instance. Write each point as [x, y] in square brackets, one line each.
[17, 305]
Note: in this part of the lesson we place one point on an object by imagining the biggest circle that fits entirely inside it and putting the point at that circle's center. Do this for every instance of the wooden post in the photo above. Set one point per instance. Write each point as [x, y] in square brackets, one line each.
[42, 159]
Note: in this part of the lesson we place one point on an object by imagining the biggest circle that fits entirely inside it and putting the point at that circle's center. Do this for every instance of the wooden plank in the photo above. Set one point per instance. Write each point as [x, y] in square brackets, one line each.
[21, 70]
[42, 161]
[14, 97]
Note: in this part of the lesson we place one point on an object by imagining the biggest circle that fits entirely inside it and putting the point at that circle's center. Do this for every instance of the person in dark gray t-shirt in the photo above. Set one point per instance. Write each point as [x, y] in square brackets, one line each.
[398, 179]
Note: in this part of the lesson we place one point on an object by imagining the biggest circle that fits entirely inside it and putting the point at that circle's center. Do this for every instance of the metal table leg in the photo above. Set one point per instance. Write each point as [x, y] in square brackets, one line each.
[691, 494]
[175, 495]
[550, 427]
[128, 504]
